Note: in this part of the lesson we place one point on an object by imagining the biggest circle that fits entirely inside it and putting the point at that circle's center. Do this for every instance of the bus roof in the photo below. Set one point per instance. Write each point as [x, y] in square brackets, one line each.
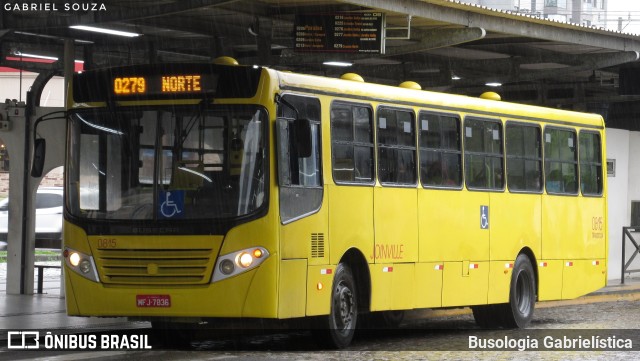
[357, 90]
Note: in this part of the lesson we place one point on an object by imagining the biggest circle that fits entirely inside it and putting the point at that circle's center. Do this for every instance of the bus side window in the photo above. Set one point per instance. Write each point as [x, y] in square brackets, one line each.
[561, 161]
[396, 147]
[524, 157]
[440, 151]
[483, 154]
[590, 164]
[352, 143]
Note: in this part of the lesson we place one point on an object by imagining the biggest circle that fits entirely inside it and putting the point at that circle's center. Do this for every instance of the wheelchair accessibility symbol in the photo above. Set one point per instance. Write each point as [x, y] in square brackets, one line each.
[171, 203]
[484, 217]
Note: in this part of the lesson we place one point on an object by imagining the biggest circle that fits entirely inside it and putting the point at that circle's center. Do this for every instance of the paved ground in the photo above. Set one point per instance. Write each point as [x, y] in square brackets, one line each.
[425, 334]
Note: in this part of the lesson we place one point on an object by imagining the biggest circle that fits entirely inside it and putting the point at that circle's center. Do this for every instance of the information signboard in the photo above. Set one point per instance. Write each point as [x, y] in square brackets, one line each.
[339, 32]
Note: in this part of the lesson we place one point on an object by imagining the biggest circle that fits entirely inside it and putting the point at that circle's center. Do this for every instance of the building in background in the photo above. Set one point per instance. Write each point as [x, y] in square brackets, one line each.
[583, 12]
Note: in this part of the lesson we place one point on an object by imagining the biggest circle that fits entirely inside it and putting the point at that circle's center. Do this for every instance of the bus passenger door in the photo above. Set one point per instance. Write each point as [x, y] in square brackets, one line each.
[303, 212]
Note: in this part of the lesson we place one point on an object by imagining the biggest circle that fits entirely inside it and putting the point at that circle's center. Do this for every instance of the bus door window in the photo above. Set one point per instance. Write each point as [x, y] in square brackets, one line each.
[300, 178]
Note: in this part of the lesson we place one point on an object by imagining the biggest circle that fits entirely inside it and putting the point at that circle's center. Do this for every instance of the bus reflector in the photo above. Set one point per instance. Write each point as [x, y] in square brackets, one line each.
[508, 265]
[543, 264]
[387, 269]
[596, 263]
[326, 271]
[439, 267]
[319, 286]
[474, 266]
[569, 264]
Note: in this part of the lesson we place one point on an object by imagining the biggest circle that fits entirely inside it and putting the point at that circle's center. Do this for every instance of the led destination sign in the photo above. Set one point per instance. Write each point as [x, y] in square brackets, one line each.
[163, 84]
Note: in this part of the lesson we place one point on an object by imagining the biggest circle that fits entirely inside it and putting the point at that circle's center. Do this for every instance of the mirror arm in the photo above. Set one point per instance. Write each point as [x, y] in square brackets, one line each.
[280, 100]
[39, 145]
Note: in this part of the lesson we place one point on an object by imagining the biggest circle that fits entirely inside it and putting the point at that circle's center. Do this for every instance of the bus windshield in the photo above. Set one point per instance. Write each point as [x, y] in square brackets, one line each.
[166, 163]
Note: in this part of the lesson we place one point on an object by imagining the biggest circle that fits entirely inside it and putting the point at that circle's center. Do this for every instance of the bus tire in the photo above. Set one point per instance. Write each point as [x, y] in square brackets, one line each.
[522, 295]
[338, 328]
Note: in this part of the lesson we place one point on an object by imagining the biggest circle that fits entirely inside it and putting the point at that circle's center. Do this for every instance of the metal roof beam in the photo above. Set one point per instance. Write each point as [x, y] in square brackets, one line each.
[493, 21]
[587, 62]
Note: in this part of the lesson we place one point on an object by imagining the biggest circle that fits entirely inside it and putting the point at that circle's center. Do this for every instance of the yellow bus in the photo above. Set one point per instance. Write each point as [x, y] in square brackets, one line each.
[203, 191]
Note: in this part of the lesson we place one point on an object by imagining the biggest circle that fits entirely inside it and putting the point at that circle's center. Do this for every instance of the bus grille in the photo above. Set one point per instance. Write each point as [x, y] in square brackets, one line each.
[154, 267]
[317, 245]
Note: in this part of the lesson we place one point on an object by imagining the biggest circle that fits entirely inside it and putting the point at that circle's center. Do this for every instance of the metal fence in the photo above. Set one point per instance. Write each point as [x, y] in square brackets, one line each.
[627, 234]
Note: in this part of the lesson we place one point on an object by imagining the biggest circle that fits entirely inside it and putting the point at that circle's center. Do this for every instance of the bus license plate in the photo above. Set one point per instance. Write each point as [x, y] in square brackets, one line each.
[153, 300]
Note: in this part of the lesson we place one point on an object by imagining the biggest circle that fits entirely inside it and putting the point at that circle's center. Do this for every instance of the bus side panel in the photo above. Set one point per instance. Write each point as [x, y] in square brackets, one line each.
[499, 281]
[297, 237]
[392, 286]
[428, 285]
[550, 280]
[396, 224]
[450, 227]
[403, 286]
[292, 290]
[593, 244]
[319, 281]
[465, 283]
[515, 222]
[381, 295]
[560, 236]
[582, 277]
[350, 220]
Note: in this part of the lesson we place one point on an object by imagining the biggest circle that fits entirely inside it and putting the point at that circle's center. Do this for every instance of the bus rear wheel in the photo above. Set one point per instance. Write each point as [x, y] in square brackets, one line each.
[337, 329]
[522, 298]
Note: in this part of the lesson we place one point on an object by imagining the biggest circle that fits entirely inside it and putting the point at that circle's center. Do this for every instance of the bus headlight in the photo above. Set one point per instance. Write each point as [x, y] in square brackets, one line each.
[235, 263]
[81, 264]
[245, 260]
[74, 259]
[227, 267]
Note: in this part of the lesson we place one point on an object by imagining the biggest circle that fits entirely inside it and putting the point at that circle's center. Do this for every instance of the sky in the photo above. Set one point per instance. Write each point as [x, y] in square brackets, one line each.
[622, 8]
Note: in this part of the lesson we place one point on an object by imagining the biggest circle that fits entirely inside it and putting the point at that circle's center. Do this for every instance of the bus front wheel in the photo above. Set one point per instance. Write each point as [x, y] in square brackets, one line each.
[337, 329]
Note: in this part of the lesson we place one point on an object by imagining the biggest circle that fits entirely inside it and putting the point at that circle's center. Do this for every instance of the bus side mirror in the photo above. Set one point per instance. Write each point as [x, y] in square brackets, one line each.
[39, 151]
[303, 137]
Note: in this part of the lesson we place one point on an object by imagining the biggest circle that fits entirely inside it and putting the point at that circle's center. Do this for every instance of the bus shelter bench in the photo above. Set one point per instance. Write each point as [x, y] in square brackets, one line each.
[41, 268]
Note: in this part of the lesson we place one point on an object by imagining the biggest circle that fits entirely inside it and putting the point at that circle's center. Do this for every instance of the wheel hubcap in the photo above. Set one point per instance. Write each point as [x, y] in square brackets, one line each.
[524, 293]
[344, 305]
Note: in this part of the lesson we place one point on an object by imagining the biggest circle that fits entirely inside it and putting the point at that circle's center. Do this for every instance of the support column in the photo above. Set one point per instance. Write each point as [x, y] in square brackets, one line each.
[20, 242]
